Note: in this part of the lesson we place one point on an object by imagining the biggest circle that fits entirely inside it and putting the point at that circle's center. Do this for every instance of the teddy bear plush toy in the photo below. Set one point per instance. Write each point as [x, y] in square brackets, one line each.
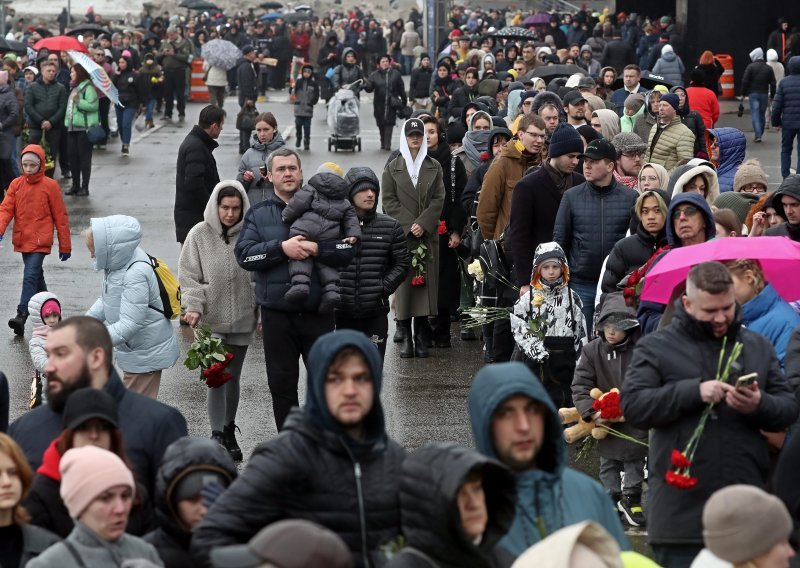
[607, 404]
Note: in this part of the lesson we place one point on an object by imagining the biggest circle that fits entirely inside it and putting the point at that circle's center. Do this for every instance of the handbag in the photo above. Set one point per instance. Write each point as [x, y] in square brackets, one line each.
[96, 135]
[246, 119]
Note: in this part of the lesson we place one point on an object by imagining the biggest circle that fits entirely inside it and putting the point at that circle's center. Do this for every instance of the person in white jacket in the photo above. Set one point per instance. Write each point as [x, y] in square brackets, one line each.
[217, 291]
[44, 311]
[130, 304]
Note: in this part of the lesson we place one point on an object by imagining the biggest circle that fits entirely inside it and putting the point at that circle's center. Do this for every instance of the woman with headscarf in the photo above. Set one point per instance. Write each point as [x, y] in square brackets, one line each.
[700, 179]
[444, 85]
[606, 122]
[413, 192]
[653, 176]
[475, 143]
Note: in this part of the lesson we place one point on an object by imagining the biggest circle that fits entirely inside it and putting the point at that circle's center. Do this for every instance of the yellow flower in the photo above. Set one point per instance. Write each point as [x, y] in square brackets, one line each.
[537, 300]
[475, 269]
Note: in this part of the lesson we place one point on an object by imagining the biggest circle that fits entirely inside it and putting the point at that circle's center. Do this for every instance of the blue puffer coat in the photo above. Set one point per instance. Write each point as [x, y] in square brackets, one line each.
[769, 315]
[732, 147]
[786, 105]
[143, 338]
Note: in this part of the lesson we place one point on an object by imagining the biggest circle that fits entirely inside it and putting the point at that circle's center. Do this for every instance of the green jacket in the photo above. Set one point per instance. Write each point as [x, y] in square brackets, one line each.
[84, 112]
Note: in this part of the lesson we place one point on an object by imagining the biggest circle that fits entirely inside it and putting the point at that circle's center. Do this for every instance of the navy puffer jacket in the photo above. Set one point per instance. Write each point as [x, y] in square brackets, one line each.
[589, 222]
[786, 105]
[732, 148]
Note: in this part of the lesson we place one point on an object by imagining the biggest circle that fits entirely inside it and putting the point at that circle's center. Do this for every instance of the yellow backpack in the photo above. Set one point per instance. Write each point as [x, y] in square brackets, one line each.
[168, 288]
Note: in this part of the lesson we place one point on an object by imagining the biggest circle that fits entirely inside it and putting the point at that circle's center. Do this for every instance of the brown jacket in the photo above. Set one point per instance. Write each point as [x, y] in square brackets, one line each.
[494, 205]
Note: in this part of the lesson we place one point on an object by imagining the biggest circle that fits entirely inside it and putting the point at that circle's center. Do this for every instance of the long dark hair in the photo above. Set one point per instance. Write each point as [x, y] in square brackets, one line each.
[230, 191]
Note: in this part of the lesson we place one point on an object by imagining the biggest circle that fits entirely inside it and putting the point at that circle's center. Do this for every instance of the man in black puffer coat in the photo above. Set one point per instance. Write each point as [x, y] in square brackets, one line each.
[379, 266]
[189, 465]
[332, 464]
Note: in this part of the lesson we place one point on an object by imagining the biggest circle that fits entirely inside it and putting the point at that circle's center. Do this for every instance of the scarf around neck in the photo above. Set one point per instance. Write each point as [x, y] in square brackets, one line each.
[475, 143]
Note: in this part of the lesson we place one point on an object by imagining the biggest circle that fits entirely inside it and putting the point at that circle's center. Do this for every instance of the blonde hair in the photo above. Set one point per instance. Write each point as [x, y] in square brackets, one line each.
[88, 236]
[741, 266]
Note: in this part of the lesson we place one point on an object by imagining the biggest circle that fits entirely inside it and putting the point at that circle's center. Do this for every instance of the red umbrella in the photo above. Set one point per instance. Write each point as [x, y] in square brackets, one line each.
[60, 43]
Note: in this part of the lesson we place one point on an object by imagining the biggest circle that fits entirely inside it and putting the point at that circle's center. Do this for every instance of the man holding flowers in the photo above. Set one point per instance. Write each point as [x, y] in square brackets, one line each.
[714, 428]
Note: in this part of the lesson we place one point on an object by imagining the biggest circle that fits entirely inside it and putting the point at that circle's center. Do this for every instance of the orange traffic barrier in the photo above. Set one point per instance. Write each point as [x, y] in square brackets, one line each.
[197, 86]
[726, 81]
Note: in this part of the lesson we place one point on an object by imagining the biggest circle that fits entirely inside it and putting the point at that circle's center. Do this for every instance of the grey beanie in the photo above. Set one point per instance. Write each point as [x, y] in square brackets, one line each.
[742, 522]
[628, 142]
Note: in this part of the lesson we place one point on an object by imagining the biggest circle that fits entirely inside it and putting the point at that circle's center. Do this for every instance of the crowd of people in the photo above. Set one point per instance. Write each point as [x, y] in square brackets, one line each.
[537, 210]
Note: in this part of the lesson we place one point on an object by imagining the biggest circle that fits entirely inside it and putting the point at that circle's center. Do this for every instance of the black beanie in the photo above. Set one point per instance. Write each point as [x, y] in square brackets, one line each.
[565, 140]
[456, 131]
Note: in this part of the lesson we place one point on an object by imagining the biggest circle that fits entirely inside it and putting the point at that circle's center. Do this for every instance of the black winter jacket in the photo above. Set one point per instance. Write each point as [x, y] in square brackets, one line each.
[195, 178]
[259, 250]
[46, 102]
[590, 221]
[791, 188]
[313, 470]
[183, 457]
[534, 205]
[758, 78]
[459, 99]
[661, 392]
[617, 54]
[247, 81]
[127, 84]
[148, 427]
[431, 479]
[629, 254]
[380, 263]
[419, 88]
[345, 74]
[386, 85]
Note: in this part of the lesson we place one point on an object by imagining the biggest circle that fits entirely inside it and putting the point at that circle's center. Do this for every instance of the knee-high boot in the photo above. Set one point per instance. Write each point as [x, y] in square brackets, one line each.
[407, 345]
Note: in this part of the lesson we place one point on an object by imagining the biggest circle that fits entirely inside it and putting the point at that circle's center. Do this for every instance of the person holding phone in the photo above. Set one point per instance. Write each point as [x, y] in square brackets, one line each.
[252, 169]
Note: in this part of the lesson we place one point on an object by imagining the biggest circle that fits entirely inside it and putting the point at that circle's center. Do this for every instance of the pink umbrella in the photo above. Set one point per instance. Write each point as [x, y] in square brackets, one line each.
[779, 257]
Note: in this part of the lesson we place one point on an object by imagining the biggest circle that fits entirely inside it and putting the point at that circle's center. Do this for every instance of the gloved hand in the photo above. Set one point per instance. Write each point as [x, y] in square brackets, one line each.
[62, 256]
[1, 237]
[210, 493]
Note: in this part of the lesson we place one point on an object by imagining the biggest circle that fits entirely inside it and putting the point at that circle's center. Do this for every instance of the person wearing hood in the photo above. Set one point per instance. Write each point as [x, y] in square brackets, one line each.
[579, 545]
[786, 201]
[652, 176]
[670, 66]
[548, 105]
[670, 141]
[667, 391]
[408, 41]
[190, 469]
[347, 72]
[90, 418]
[602, 365]
[196, 171]
[379, 266]
[700, 179]
[333, 464]
[98, 490]
[758, 84]
[216, 291]
[726, 149]
[442, 88]
[419, 89]
[777, 68]
[44, 309]
[515, 421]
[548, 325]
[692, 120]
[701, 99]
[464, 95]
[587, 61]
[403, 179]
[252, 172]
[390, 96]
[474, 144]
[305, 94]
[648, 239]
[34, 203]
[786, 114]
[606, 123]
[649, 118]
[455, 505]
[634, 110]
[536, 198]
[591, 218]
[130, 303]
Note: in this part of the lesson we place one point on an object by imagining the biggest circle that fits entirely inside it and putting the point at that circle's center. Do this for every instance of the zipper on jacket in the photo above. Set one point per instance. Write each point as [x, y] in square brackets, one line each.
[361, 514]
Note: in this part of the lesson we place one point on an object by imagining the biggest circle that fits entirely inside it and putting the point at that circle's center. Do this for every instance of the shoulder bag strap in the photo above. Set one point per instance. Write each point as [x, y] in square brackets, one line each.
[74, 552]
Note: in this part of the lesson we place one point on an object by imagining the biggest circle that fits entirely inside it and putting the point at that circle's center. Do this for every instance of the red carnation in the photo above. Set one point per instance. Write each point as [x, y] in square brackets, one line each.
[442, 228]
[680, 461]
[608, 406]
[680, 481]
[485, 156]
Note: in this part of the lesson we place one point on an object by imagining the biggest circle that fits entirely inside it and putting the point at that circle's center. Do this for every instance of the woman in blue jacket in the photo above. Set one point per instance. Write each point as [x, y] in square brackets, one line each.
[144, 341]
[763, 310]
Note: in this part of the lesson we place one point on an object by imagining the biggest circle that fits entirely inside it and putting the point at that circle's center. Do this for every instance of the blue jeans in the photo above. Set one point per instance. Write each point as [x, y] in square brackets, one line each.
[148, 115]
[787, 144]
[125, 118]
[32, 278]
[758, 106]
[408, 64]
[586, 291]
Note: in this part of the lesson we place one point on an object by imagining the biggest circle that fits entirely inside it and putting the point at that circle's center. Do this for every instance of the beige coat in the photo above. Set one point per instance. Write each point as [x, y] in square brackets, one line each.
[422, 206]
[676, 143]
[212, 282]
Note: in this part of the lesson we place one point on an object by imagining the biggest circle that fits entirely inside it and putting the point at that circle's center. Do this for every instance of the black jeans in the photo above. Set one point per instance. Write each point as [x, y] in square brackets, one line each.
[53, 137]
[302, 126]
[287, 337]
[80, 158]
[376, 328]
[174, 88]
[105, 106]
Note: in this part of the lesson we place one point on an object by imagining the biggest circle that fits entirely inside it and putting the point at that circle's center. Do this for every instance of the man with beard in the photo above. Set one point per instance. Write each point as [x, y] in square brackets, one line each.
[575, 105]
[80, 356]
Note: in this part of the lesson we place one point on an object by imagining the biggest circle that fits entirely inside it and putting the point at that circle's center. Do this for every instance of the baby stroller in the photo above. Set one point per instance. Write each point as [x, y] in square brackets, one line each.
[343, 119]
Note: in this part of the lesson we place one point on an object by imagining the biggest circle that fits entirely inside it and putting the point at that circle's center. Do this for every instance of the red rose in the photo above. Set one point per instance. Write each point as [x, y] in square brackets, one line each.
[228, 358]
[680, 461]
[442, 228]
[418, 281]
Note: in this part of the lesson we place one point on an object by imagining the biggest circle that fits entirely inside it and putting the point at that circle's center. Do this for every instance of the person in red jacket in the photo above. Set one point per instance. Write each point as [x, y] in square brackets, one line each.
[702, 99]
[35, 203]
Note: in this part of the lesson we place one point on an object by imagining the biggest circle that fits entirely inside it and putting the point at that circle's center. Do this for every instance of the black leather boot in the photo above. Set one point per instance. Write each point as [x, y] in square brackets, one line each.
[407, 345]
[399, 332]
[17, 323]
[420, 339]
[229, 432]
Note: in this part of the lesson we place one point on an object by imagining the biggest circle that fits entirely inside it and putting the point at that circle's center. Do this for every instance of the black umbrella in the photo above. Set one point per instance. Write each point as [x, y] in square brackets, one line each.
[44, 32]
[648, 81]
[17, 46]
[199, 5]
[271, 5]
[294, 17]
[550, 71]
[83, 28]
[514, 32]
